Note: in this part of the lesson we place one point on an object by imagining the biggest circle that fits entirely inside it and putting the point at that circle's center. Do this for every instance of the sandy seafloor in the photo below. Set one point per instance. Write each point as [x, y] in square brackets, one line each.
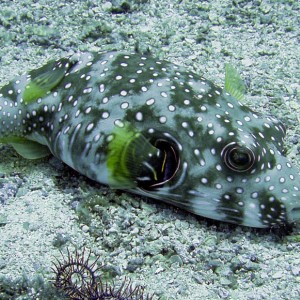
[175, 255]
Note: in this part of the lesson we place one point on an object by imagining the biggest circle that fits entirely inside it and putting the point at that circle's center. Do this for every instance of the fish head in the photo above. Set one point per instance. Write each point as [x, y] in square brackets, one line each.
[196, 146]
[225, 164]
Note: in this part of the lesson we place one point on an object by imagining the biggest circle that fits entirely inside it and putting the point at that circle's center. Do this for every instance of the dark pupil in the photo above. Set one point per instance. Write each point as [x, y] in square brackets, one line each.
[239, 158]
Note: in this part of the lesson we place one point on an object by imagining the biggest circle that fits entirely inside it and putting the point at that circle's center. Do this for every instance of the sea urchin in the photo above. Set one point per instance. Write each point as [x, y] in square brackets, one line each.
[77, 278]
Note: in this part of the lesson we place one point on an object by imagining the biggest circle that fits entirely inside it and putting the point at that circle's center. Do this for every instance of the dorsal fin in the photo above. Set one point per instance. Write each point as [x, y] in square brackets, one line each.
[234, 85]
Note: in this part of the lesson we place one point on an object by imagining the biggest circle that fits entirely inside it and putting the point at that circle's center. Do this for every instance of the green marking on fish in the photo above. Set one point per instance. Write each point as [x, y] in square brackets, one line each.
[155, 129]
[127, 152]
[45, 81]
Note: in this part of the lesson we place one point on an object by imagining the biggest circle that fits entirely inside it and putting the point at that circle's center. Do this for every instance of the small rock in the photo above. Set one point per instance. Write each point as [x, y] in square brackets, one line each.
[277, 275]
[296, 271]
[176, 259]
[223, 293]
[225, 281]
[21, 192]
[107, 6]
[247, 62]
[85, 228]
[135, 263]
[159, 270]
[60, 240]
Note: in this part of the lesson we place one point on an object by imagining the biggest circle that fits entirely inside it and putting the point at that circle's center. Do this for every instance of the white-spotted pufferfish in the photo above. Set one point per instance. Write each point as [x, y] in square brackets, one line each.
[151, 127]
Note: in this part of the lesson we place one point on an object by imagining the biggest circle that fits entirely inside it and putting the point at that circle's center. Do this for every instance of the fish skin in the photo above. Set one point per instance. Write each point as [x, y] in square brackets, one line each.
[179, 128]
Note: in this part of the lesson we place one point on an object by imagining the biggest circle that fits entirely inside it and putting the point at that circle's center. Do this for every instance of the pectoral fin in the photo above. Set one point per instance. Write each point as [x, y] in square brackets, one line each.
[26, 148]
[128, 151]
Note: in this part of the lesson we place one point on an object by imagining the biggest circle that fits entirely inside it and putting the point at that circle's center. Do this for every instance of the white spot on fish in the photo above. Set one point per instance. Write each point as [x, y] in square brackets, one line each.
[97, 137]
[87, 90]
[59, 107]
[105, 115]
[197, 152]
[102, 88]
[171, 108]
[219, 168]
[218, 186]
[88, 110]
[191, 133]
[124, 105]
[239, 190]
[66, 130]
[162, 119]
[105, 100]
[204, 180]
[150, 101]
[119, 123]
[139, 116]
[90, 127]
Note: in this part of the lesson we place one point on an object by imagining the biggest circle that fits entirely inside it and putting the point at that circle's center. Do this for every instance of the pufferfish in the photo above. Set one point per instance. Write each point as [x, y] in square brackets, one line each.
[153, 128]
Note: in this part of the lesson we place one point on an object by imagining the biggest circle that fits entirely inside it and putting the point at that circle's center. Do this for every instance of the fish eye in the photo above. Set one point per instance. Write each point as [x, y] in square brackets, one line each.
[238, 158]
[161, 167]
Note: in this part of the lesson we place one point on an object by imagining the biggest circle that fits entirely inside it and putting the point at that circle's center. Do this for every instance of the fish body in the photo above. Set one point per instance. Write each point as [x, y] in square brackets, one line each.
[151, 127]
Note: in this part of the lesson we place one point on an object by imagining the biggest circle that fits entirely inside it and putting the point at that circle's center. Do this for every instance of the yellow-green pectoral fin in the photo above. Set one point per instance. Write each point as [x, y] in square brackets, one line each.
[128, 151]
[45, 79]
[26, 148]
[234, 85]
